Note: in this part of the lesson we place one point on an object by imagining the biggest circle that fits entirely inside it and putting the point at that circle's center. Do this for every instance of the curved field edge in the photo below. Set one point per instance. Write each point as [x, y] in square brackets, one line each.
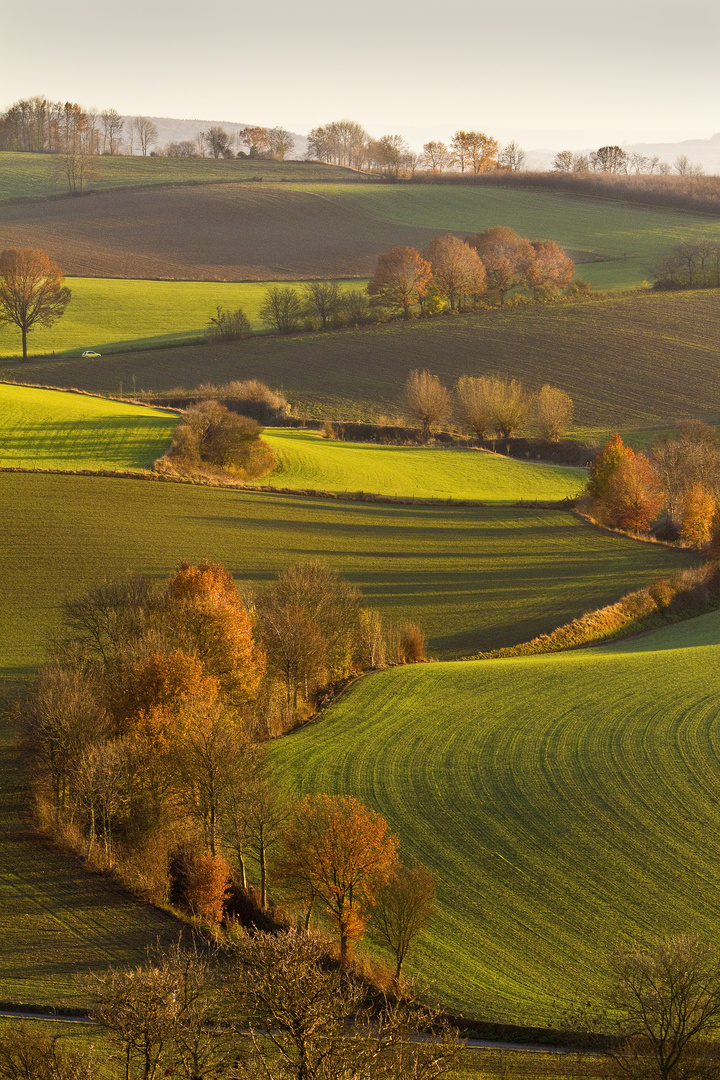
[629, 362]
[53, 429]
[307, 461]
[566, 803]
[473, 577]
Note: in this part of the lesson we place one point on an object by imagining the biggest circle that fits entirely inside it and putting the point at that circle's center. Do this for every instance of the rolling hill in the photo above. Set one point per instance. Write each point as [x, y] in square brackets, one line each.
[283, 231]
[567, 804]
[307, 461]
[473, 577]
[49, 429]
[638, 361]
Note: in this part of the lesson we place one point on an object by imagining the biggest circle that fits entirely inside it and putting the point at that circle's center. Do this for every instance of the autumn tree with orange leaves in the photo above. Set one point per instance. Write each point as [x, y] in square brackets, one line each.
[624, 489]
[32, 290]
[338, 850]
[457, 270]
[401, 279]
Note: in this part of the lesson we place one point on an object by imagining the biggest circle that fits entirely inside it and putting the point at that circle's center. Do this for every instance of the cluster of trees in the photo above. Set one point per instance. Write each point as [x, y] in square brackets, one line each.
[345, 142]
[694, 264]
[613, 160]
[276, 1006]
[488, 406]
[146, 724]
[456, 274]
[680, 477]
[251, 142]
[36, 125]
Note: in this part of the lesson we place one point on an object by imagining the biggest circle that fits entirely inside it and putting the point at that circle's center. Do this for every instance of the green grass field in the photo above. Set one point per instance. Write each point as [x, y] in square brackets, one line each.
[49, 429]
[110, 315]
[31, 175]
[567, 804]
[57, 923]
[307, 461]
[631, 362]
[474, 577]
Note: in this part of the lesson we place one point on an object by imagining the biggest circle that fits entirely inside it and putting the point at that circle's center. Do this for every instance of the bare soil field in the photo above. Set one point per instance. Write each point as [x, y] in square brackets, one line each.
[214, 232]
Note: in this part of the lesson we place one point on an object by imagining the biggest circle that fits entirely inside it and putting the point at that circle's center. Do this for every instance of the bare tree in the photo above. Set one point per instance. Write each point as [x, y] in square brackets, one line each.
[426, 399]
[436, 156]
[282, 143]
[282, 309]
[147, 133]
[218, 142]
[112, 126]
[307, 1019]
[685, 167]
[475, 401]
[512, 156]
[323, 299]
[563, 161]
[667, 1001]
[552, 412]
[404, 906]
[609, 159]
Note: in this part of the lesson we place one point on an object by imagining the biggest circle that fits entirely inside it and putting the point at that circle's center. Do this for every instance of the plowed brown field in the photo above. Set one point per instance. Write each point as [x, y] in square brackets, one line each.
[215, 232]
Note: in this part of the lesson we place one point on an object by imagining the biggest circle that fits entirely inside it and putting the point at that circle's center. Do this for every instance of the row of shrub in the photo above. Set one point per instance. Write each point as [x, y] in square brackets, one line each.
[682, 596]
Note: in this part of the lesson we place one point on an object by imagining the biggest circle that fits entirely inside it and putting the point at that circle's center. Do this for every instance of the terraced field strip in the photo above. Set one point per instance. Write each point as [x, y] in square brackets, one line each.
[58, 923]
[49, 429]
[109, 315]
[566, 804]
[643, 361]
[474, 577]
[307, 461]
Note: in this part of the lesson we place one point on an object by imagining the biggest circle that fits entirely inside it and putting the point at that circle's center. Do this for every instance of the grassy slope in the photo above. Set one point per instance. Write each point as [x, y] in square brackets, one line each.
[31, 175]
[57, 922]
[48, 429]
[109, 315]
[629, 237]
[473, 577]
[299, 229]
[640, 361]
[307, 461]
[566, 803]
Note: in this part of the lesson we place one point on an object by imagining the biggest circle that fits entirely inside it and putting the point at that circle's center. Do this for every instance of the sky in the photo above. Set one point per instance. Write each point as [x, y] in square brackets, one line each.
[538, 70]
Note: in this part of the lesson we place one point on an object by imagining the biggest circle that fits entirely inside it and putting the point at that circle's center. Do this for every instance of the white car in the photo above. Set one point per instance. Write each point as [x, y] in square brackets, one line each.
[89, 354]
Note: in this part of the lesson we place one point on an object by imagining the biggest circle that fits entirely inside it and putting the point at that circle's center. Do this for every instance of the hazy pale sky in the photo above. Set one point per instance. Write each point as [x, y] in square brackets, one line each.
[626, 70]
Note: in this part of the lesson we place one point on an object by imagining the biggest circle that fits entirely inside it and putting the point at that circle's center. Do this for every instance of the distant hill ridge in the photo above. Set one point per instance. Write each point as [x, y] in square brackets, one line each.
[171, 129]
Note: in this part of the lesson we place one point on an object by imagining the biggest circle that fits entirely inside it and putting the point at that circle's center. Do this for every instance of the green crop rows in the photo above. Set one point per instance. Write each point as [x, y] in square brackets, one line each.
[566, 803]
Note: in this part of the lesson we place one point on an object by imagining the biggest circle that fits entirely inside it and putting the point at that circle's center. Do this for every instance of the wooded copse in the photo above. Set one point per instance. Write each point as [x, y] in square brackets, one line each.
[679, 479]
[36, 125]
[147, 723]
[496, 266]
[691, 265]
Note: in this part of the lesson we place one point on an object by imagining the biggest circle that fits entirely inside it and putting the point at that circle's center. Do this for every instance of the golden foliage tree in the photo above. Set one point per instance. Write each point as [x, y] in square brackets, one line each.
[401, 279]
[457, 269]
[698, 513]
[338, 850]
[426, 400]
[32, 290]
[210, 622]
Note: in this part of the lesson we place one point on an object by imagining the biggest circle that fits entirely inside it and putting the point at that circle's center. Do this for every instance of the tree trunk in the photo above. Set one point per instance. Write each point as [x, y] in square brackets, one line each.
[263, 876]
[24, 342]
